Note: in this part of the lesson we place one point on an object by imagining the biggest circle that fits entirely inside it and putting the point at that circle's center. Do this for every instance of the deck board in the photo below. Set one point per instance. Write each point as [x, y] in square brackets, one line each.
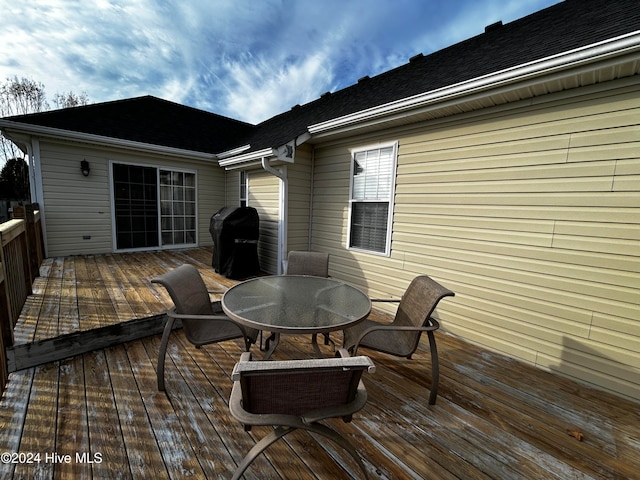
[495, 417]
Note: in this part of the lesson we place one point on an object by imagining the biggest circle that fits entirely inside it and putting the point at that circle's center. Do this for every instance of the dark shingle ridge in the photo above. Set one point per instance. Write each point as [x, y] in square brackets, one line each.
[147, 119]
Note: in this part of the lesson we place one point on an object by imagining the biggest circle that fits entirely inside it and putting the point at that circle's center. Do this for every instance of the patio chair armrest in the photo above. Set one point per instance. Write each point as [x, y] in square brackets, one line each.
[182, 316]
[385, 300]
[402, 328]
[399, 328]
[246, 366]
[220, 317]
[343, 352]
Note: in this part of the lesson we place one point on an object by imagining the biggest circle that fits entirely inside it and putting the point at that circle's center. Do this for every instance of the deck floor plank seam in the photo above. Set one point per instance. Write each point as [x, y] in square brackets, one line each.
[216, 364]
[179, 457]
[39, 434]
[191, 377]
[72, 428]
[143, 453]
[106, 439]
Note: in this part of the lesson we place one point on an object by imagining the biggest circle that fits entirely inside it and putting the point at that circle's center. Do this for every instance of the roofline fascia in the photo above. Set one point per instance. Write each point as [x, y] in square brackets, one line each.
[571, 59]
[246, 160]
[50, 132]
[233, 152]
[284, 153]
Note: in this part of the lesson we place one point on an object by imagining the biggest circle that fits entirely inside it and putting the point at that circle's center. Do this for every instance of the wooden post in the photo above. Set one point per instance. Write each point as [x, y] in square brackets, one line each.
[6, 328]
[30, 243]
[16, 286]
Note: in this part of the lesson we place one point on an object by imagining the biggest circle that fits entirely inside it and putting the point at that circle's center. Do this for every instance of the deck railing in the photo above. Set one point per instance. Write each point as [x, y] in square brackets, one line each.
[21, 253]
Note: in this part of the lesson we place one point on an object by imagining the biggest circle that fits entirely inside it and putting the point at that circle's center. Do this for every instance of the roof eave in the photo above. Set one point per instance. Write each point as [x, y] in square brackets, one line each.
[622, 46]
[11, 126]
[246, 160]
[285, 153]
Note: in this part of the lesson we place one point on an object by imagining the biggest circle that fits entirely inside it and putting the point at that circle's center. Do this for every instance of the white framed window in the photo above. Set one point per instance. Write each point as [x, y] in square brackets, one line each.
[372, 189]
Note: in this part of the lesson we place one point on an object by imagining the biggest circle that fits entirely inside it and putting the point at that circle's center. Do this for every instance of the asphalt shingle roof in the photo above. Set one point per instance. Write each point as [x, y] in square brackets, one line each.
[562, 27]
[149, 120]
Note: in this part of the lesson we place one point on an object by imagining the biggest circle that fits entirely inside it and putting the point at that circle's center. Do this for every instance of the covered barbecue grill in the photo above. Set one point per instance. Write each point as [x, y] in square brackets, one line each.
[235, 232]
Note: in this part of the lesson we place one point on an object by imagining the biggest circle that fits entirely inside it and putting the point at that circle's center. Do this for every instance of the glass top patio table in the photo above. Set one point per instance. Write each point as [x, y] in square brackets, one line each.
[295, 304]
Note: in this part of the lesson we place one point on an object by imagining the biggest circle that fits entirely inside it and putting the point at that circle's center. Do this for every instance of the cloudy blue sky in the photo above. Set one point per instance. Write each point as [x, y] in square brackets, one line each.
[247, 59]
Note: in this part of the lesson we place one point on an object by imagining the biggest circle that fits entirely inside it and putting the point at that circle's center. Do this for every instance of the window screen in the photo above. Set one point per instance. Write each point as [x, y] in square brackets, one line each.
[371, 195]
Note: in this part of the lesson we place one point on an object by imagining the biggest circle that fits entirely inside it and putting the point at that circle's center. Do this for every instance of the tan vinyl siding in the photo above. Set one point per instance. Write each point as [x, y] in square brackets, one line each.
[264, 196]
[211, 197]
[530, 213]
[76, 206]
[299, 176]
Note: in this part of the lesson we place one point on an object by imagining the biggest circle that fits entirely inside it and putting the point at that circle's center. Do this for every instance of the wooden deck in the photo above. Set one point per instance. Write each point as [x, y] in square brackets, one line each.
[495, 417]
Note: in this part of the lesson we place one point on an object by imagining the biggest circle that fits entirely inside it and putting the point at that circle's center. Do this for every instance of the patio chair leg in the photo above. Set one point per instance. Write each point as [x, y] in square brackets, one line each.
[247, 343]
[340, 440]
[260, 447]
[327, 339]
[435, 368]
[281, 431]
[271, 344]
[162, 352]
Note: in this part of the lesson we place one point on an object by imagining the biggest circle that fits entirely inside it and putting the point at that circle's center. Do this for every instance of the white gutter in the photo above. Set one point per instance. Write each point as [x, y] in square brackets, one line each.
[50, 132]
[233, 152]
[583, 56]
[284, 153]
[248, 159]
[282, 208]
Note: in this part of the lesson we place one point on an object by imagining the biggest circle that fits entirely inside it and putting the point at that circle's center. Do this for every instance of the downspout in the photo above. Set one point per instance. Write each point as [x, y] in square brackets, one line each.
[35, 185]
[313, 172]
[284, 214]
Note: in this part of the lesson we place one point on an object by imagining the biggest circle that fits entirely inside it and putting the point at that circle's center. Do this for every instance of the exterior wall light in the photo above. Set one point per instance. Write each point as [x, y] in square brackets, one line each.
[84, 166]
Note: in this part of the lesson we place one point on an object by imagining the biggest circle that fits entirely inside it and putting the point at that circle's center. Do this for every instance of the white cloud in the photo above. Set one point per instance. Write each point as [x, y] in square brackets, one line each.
[245, 59]
[259, 87]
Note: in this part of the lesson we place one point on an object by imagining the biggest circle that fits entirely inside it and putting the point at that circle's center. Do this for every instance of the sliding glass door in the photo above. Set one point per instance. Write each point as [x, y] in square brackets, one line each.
[178, 207]
[153, 207]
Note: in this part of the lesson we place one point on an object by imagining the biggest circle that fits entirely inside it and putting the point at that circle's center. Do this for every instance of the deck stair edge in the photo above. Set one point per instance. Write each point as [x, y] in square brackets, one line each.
[49, 350]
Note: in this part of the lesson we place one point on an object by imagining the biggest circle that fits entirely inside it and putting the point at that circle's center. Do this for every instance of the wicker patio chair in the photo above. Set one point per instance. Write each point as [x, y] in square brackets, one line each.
[203, 321]
[297, 394]
[401, 337]
[309, 263]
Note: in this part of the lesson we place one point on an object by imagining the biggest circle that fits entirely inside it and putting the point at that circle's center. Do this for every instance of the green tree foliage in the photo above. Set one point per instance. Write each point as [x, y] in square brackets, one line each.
[22, 96]
[14, 180]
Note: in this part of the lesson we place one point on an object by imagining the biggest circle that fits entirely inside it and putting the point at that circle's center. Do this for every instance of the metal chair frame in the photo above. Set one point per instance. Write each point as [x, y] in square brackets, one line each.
[298, 394]
[203, 321]
[402, 337]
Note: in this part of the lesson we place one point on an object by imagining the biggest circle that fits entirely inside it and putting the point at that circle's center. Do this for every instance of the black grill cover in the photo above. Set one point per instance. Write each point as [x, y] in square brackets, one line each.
[235, 232]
